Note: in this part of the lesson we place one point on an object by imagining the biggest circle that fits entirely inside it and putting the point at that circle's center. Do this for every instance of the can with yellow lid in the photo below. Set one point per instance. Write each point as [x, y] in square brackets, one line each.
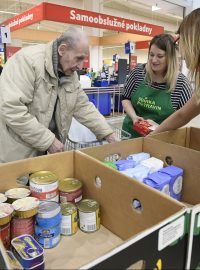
[17, 193]
[6, 211]
[26, 207]
[44, 185]
[89, 215]
[70, 190]
[69, 223]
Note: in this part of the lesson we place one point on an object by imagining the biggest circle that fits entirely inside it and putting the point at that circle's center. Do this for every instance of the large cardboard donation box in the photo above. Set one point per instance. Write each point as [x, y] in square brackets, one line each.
[187, 137]
[171, 154]
[127, 239]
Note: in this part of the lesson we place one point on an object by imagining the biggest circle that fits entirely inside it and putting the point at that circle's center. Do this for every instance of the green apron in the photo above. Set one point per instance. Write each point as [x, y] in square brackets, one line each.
[149, 103]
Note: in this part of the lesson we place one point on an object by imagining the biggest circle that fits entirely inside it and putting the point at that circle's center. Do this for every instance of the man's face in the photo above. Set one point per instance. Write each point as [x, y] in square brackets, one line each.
[72, 59]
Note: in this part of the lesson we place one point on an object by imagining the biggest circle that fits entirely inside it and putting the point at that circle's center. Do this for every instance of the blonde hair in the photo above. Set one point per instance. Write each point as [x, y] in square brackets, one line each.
[189, 32]
[166, 43]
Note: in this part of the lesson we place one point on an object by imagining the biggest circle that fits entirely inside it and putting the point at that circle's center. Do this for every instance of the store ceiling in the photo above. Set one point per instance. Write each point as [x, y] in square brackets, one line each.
[171, 11]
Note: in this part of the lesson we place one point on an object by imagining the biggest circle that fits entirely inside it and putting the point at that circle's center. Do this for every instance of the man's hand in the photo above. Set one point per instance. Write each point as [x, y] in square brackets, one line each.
[111, 138]
[56, 146]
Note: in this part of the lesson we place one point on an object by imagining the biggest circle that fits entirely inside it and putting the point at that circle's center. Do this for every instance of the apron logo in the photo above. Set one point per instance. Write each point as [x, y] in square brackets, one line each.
[147, 103]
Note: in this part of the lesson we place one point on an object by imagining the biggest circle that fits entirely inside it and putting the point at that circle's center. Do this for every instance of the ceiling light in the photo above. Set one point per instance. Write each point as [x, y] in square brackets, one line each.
[8, 12]
[155, 8]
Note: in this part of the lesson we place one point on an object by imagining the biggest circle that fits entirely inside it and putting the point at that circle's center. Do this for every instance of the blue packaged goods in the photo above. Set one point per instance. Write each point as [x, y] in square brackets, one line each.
[49, 222]
[124, 164]
[176, 182]
[27, 251]
[139, 172]
[47, 232]
[49, 242]
[137, 158]
[37, 267]
[159, 181]
[49, 214]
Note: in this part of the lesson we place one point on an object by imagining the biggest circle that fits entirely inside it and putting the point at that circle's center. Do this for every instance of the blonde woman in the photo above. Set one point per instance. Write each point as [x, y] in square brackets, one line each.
[189, 45]
[157, 89]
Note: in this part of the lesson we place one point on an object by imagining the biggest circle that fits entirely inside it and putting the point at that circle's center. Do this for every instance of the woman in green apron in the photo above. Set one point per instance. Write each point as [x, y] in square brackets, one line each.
[156, 89]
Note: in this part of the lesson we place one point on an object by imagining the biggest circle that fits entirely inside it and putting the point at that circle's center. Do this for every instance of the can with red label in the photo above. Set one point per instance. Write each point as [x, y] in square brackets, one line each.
[20, 226]
[6, 211]
[44, 185]
[70, 190]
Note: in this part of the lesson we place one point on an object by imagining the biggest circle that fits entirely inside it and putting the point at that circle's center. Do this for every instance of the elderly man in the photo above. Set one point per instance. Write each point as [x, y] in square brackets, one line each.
[39, 95]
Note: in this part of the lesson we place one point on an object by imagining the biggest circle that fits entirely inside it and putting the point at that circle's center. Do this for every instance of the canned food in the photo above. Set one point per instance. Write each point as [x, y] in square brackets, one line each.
[49, 214]
[89, 215]
[20, 226]
[26, 207]
[44, 185]
[27, 251]
[17, 193]
[70, 190]
[3, 198]
[6, 211]
[69, 224]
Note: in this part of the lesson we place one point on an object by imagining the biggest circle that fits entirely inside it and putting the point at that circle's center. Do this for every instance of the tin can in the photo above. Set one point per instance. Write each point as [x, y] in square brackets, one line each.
[70, 190]
[49, 214]
[20, 226]
[69, 223]
[26, 207]
[3, 198]
[89, 215]
[6, 211]
[27, 251]
[14, 194]
[44, 185]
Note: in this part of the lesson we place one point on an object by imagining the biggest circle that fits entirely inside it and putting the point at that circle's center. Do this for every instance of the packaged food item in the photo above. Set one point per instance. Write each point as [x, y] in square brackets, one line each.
[159, 181]
[44, 185]
[69, 224]
[17, 193]
[27, 251]
[70, 190]
[3, 198]
[6, 211]
[20, 226]
[47, 228]
[26, 207]
[89, 215]
[144, 127]
[49, 214]
[176, 180]
[138, 157]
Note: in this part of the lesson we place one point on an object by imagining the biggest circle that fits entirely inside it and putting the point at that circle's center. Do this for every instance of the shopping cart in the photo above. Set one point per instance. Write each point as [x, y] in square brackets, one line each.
[72, 145]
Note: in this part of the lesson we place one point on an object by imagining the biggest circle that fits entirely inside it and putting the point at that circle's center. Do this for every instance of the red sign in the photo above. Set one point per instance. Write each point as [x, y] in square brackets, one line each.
[31, 16]
[58, 13]
[142, 44]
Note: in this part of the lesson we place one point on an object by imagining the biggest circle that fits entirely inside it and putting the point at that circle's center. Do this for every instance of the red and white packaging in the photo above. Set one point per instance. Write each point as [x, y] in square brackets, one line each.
[144, 127]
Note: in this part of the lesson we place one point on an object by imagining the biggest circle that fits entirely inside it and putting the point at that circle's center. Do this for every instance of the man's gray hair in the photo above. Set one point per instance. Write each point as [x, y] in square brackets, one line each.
[72, 36]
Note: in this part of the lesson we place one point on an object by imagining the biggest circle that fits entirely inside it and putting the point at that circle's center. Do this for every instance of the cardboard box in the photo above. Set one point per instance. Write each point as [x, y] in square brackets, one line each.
[187, 137]
[171, 154]
[128, 237]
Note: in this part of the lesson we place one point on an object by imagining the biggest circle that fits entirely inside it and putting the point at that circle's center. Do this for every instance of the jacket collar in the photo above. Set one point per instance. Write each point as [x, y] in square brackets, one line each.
[48, 59]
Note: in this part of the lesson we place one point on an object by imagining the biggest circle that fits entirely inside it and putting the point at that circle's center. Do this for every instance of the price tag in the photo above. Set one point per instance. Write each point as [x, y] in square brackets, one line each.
[5, 35]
